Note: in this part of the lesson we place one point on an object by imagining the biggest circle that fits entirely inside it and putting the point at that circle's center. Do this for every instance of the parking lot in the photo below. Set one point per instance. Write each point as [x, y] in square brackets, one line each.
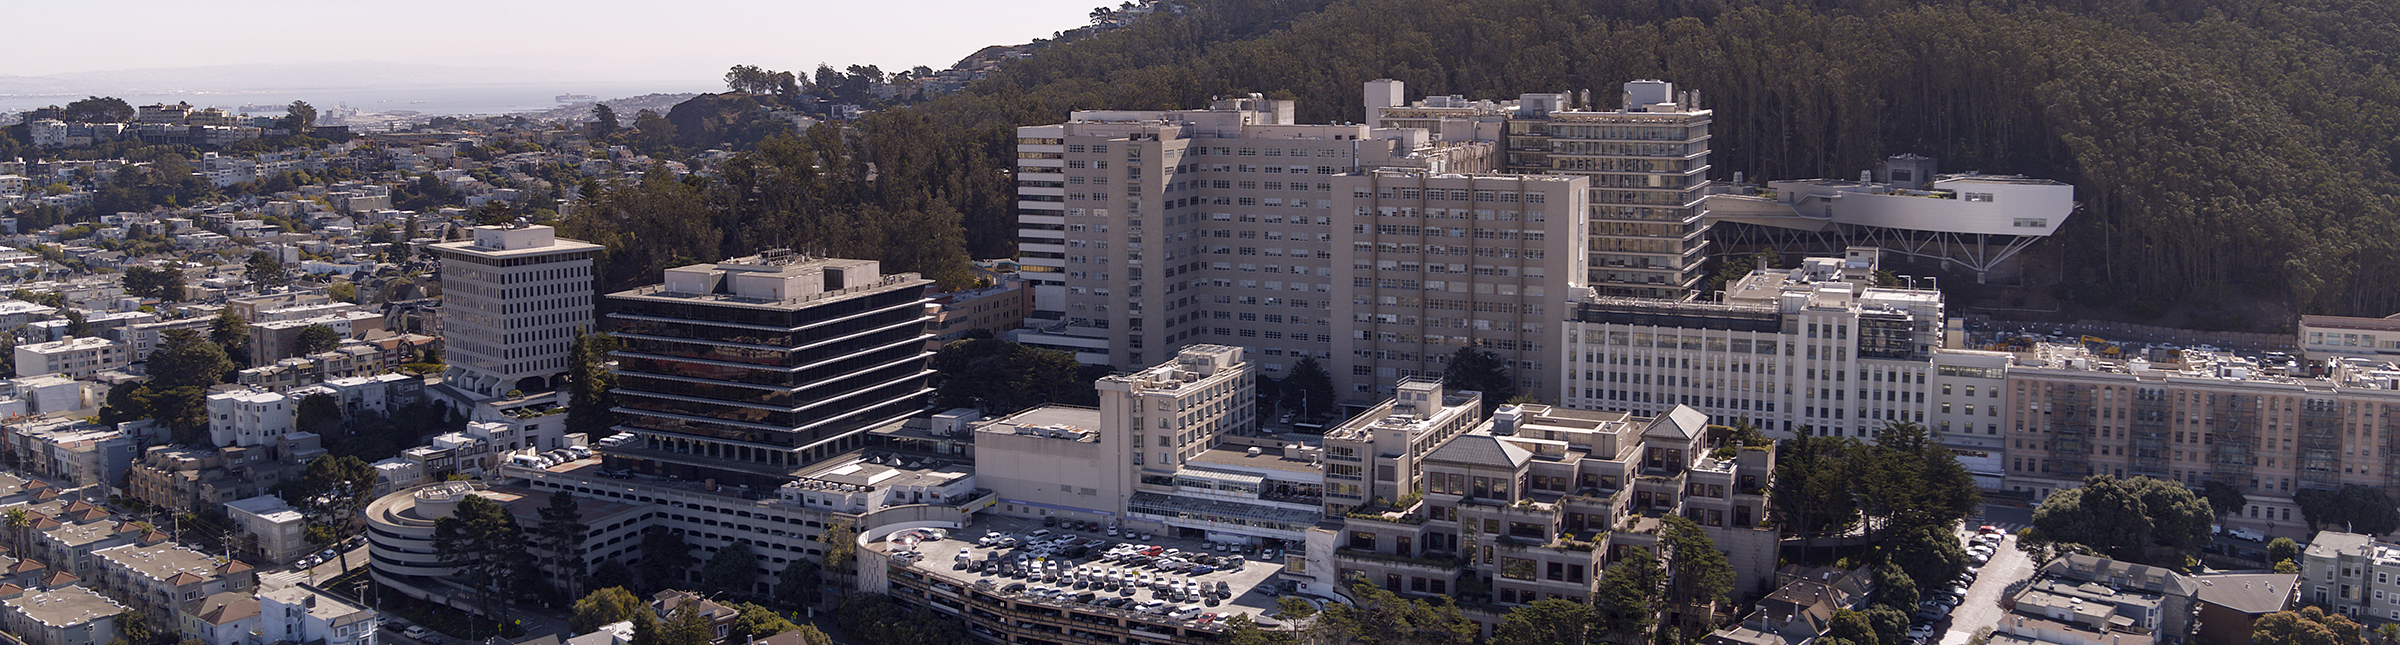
[1152, 577]
[1979, 608]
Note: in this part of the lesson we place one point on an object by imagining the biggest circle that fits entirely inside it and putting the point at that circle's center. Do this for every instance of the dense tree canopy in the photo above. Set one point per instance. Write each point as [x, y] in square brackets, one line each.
[1698, 575]
[2352, 508]
[1625, 603]
[2214, 143]
[2306, 626]
[1549, 621]
[1482, 371]
[604, 606]
[485, 540]
[999, 377]
[1309, 389]
[2142, 519]
[665, 558]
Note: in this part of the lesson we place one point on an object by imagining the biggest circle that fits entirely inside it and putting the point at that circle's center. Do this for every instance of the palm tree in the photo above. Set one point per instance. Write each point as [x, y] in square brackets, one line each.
[18, 520]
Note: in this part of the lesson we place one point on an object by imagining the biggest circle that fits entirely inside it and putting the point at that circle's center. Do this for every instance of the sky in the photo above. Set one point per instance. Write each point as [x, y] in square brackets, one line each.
[574, 39]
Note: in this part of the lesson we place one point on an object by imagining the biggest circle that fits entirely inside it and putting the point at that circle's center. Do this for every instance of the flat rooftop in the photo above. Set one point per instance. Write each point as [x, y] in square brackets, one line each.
[1066, 422]
[66, 606]
[1269, 458]
[858, 469]
[1244, 583]
[164, 561]
[322, 606]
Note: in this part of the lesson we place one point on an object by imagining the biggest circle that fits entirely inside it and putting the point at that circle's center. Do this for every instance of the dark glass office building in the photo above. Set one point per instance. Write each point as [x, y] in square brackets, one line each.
[745, 370]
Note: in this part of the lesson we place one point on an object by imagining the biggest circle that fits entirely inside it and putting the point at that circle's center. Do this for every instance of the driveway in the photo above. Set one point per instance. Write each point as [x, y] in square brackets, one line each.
[1982, 607]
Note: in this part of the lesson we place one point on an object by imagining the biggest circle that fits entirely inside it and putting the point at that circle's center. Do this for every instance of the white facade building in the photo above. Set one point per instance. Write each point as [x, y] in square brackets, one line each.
[297, 614]
[513, 299]
[78, 358]
[69, 615]
[282, 532]
[250, 418]
[1814, 350]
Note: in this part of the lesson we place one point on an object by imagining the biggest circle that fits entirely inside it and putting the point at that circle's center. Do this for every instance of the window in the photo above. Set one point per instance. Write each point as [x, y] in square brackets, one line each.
[1978, 197]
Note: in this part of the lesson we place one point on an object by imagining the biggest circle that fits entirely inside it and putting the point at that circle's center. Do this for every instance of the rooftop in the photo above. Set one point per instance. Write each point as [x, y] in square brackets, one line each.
[1192, 364]
[268, 507]
[323, 607]
[65, 607]
[867, 471]
[2387, 323]
[1067, 422]
[1244, 582]
[775, 279]
[2249, 593]
[224, 607]
[172, 563]
[71, 344]
[1293, 458]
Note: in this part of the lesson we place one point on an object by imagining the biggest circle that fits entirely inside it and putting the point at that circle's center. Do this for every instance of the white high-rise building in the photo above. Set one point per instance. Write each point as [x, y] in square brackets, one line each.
[512, 300]
[1814, 350]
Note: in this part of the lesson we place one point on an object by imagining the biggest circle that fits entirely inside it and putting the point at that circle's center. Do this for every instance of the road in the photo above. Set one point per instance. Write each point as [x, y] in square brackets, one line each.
[1982, 607]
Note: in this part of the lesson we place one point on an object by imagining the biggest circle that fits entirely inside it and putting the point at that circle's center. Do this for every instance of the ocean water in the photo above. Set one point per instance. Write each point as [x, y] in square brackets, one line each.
[485, 99]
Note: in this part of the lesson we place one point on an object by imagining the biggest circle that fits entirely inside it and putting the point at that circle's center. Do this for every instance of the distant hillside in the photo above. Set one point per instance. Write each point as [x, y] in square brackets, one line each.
[2224, 148]
[312, 75]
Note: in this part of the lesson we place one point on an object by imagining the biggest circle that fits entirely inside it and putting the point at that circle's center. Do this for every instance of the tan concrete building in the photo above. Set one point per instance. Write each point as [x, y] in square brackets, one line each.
[1137, 228]
[2204, 417]
[1538, 500]
[1647, 161]
[1380, 454]
[2324, 338]
[159, 578]
[1430, 263]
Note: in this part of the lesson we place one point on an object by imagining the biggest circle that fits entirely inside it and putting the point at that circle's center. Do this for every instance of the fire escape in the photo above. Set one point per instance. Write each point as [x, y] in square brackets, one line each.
[2232, 423]
[2320, 435]
[2388, 417]
[2071, 429]
[2147, 433]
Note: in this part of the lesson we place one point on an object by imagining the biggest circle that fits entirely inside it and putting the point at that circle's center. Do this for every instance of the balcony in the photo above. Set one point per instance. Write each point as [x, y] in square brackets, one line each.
[1442, 563]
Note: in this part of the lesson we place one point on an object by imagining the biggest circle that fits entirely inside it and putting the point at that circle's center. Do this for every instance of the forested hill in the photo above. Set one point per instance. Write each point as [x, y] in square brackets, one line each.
[2220, 146]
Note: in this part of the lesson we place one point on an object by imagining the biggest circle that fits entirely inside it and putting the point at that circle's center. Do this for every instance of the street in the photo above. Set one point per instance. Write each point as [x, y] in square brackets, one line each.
[1981, 610]
[280, 578]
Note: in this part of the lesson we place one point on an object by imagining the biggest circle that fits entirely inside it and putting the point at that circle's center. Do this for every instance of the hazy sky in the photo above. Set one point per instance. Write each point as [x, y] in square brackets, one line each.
[613, 39]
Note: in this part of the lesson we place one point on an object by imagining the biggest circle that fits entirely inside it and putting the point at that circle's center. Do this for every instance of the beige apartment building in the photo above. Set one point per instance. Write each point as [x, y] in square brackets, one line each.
[2196, 417]
[1647, 161]
[1537, 500]
[1434, 262]
[1144, 231]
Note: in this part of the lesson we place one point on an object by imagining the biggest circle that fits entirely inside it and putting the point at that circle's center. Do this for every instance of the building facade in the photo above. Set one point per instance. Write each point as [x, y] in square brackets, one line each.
[1537, 500]
[77, 358]
[69, 615]
[159, 578]
[513, 299]
[1130, 262]
[745, 370]
[1648, 165]
[298, 614]
[1815, 350]
[1431, 263]
[2196, 417]
[2325, 338]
